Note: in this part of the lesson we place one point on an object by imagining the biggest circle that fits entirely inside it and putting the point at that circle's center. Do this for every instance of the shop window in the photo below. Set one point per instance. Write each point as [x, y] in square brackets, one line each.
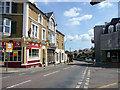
[15, 58]
[11, 56]
[19, 55]
[1, 56]
[33, 53]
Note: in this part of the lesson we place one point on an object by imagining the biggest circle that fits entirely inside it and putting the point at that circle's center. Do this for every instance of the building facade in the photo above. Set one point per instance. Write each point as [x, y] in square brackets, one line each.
[61, 57]
[107, 42]
[28, 28]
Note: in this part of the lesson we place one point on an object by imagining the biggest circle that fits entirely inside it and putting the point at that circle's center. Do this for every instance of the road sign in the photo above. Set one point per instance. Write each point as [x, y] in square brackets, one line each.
[9, 47]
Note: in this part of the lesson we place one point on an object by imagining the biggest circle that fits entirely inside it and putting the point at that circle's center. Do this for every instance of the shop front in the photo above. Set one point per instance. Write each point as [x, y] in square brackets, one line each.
[32, 55]
[13, 59]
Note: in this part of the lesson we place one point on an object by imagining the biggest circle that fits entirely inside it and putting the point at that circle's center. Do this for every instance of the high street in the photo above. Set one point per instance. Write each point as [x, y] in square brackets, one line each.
[74, 75]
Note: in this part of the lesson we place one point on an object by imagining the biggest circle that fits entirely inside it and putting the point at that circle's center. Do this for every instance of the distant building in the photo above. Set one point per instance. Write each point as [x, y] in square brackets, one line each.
[107, 41]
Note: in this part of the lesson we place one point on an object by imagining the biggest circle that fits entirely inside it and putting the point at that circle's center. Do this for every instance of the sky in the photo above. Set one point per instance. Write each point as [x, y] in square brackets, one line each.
[76, 20]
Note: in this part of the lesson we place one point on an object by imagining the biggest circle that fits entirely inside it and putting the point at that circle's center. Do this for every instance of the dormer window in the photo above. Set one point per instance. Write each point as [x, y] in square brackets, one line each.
[51, 24]
[110, 29]
[118, 27]
[5, 7]
[40, 19]
[5, 26]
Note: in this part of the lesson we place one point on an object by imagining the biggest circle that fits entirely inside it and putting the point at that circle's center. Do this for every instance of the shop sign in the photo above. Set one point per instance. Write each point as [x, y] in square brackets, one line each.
[9, 47]
[32, 45]
[15, 53]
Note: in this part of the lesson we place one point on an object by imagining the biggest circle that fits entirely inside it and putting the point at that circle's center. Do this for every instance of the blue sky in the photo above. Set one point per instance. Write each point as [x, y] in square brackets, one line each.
[76, 20]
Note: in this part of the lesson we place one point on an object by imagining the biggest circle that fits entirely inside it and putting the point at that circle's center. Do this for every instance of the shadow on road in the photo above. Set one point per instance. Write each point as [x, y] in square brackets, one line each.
[92, 65]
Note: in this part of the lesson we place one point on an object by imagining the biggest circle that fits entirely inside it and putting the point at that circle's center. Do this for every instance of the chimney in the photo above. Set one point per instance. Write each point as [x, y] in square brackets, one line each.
[34, 3]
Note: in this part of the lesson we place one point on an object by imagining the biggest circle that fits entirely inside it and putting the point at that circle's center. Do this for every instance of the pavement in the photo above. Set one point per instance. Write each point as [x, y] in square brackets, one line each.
[80, 75]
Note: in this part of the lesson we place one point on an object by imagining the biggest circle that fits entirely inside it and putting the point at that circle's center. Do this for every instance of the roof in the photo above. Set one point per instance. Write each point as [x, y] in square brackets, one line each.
[60, 32]
[49, 14]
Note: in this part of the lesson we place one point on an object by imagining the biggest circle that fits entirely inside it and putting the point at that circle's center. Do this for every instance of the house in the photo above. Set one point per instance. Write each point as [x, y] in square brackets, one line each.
[29, 29]
[61, 57]
[107, 42]
[51, 37]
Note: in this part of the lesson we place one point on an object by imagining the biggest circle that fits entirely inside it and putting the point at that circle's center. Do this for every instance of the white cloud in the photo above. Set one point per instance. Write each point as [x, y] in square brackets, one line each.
[105, 4]
[83, 37]
[76, 21]
[72, 12]
[91, 32]
[85, 17]
[73, 23]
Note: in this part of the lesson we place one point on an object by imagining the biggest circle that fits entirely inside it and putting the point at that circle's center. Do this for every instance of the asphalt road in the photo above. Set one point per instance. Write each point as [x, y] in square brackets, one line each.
[76, 75]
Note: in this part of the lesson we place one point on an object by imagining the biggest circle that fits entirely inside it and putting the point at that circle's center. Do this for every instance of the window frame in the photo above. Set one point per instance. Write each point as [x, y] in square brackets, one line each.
[40, 19]
[31, 53]
[4, 25]
[35, 31]
[44, 39]
[5, 6]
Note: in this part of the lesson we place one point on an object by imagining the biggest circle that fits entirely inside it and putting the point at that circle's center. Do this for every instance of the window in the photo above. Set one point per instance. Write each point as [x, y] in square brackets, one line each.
[34, 30]
[44, 34]
[118, 27]
[33, 53]
[62, 39]
[57, 44]
[57, 56]
[57, 36]
[62, 46]
[13, 57]
[5, 26]
[40, 19]
[110, 29]
[62, 56]
[5, 7]
[52, 38]
[51, 24]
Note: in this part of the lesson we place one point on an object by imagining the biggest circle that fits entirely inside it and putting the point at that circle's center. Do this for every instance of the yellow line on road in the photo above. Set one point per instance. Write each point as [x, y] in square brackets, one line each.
[108, 85]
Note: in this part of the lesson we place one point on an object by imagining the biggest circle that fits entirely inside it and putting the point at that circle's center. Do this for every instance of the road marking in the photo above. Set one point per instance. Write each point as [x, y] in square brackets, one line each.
[79, 83]
[19, 84]
[78, 86]
[50, 73]
[85, 87]
[21, 73]
[108, 85]
[86, 84]
[68, 67]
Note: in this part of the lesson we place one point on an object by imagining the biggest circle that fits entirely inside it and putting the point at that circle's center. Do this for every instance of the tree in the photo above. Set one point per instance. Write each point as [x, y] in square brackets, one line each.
[75, 55]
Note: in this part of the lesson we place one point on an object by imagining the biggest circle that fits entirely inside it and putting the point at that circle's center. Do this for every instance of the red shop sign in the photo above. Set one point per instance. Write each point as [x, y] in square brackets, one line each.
[15, 44]
[32, 45]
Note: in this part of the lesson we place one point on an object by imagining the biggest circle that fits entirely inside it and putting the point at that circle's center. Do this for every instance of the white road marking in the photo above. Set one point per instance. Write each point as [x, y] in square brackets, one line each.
[19, 84]
[86, 84]
[78, 86]
[32, 71]
[68, 67]
[85, 87]
[50, 73]
[21, 73]
[79, 83]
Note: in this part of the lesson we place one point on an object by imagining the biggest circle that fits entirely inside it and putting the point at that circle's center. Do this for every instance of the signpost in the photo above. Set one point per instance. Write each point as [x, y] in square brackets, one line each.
[9, 49]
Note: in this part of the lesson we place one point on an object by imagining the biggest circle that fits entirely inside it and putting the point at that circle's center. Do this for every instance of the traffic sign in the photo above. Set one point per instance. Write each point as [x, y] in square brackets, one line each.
[9, 47]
